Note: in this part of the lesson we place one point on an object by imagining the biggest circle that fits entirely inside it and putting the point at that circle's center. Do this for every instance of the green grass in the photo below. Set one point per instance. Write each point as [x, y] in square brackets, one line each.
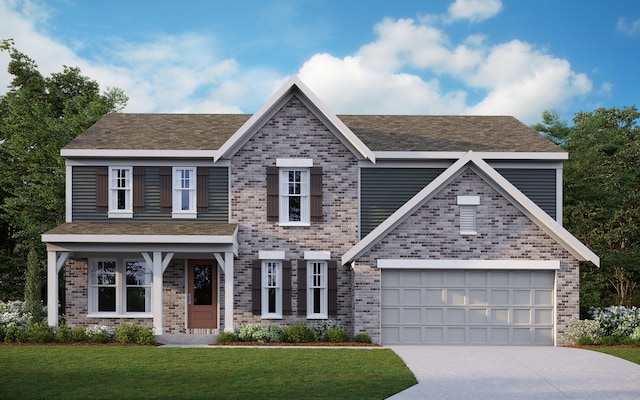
[119, 372]
[628, 353]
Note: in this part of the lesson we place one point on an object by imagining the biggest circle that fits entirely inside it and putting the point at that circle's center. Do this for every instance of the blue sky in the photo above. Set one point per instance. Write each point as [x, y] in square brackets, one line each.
[487, 57]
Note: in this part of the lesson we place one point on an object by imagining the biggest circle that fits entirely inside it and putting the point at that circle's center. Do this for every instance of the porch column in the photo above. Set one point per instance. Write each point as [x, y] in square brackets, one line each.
[228, 292]
[158, 266]
[54, 265]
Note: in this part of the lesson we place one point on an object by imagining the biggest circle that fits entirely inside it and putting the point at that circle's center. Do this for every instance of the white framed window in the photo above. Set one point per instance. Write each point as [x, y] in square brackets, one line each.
[317, 294]
[120, 192]
[468, 208]
[119, 288]
[294, 197]
[184, 192]
[271, 289]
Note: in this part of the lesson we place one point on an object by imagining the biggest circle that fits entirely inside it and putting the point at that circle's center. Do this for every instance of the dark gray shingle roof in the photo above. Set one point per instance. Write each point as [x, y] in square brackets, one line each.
[119, 131]
[143, 228]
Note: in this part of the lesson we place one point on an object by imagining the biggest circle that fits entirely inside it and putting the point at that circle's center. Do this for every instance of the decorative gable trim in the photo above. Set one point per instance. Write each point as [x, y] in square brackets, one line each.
[292, 87]
[498, 182]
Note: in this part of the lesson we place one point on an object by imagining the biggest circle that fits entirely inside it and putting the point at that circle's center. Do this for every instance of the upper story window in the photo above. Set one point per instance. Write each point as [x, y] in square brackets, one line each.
[184, 192]
[120, 192]
[294, 192]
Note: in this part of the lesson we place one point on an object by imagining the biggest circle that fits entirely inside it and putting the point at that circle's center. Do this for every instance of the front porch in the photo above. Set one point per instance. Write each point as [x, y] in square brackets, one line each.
[145, 274]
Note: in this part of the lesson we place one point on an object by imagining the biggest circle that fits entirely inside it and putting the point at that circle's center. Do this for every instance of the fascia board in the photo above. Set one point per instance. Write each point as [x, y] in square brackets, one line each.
[124, 153]
[537, 215]
[407, 263]
[406, 210]
[454, 155]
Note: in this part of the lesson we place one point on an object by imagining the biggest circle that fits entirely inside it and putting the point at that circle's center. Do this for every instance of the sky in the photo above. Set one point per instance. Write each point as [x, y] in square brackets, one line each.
[437, 57]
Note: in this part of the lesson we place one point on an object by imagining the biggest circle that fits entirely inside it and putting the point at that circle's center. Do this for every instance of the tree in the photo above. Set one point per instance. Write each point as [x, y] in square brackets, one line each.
[602, 197]
[38, 116]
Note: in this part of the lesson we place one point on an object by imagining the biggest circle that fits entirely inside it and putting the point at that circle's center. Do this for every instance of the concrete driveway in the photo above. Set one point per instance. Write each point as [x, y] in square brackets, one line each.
[492, 372]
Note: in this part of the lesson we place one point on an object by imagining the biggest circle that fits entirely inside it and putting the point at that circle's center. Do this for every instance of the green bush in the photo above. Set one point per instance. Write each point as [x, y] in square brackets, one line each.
[577, 329]
[227, 337]
[585, 341]
[63, 334]
[3, 333]
[362, 338]
[336, 335]
[40, 332]
[15, 335]
[298, 333]
[609, 340]
[321, 328]
[78, 335]
[135, 333]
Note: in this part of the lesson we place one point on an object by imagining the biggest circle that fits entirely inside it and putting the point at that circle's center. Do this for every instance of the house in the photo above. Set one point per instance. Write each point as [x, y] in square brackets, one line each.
[413, 229]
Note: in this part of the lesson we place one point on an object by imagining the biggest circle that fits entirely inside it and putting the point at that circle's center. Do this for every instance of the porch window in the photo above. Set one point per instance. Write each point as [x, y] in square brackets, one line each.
[119, 288]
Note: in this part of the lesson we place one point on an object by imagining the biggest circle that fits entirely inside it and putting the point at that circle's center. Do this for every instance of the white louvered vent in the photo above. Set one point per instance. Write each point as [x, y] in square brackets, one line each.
[468, 205]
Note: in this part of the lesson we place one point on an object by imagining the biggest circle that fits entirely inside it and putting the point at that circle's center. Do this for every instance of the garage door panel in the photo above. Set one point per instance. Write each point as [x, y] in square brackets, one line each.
[467, 307]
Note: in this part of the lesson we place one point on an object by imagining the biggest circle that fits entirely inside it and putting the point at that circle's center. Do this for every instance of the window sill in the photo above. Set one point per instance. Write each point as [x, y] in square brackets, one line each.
[118, 214]
[184, 215]
[271, 316]
[294, 224]
[116, 315]
[468, 233]
[317, 316]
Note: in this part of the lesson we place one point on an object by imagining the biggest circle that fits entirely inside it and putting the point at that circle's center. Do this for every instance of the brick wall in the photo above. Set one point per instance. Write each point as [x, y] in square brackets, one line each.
[293, 132]
[432, 233]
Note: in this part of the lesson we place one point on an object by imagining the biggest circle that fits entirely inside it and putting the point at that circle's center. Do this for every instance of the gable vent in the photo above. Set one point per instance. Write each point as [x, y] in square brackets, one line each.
[468, 214]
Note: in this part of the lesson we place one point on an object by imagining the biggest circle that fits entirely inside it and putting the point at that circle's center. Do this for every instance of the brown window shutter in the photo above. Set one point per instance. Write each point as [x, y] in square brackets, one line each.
[165, 189]
[256, 287]
[102, 189]
[138, 188]
[202, 187]
[273, 194]
[302, 287]
[286, 287]
[333, 288]
[316, 194]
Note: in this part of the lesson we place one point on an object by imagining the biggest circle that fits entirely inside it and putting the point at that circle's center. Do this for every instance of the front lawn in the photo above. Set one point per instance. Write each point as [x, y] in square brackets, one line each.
[628, 353]
[134, 372]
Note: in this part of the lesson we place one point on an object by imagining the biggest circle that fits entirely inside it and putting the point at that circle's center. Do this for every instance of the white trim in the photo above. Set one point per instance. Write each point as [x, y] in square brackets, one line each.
[317, 255]
[405, 263]
[182, 239]
[271, 255]
[324, 290]
[122, 214]
[468, 200]
[125, 153]
[184, 215]
[453, 155]
[559, 195]
[68, 192]
[294, 162]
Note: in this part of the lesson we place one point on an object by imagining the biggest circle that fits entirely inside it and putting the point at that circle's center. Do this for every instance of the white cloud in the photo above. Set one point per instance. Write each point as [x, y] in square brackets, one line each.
[629, 28]
[474, 10]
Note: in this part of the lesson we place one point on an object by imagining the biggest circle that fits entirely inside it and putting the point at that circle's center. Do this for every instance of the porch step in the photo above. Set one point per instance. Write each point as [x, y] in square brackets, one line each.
[186, 339]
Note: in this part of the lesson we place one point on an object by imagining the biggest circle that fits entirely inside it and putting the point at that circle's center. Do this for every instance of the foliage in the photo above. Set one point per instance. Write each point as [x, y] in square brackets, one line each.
[101, 334]
[618, 321]
[635, 335]
[258, 333]
[298, 333]
[14, 314]
[40, 332]
[362, 337]
[38, 116]
[135, 333]
[580, 331]
[321, 328]
[227, 337]
[33, 288]
[336, 335]
[602, 198]
[143, 372]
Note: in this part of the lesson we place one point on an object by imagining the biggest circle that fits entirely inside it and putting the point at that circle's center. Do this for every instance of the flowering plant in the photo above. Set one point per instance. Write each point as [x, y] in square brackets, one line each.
[618, 321]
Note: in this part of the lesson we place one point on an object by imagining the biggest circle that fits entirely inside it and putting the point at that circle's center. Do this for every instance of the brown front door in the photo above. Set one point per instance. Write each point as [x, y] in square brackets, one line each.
[202, 295]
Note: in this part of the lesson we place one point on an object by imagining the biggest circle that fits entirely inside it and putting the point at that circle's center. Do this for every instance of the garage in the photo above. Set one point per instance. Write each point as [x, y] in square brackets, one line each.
[468, 306]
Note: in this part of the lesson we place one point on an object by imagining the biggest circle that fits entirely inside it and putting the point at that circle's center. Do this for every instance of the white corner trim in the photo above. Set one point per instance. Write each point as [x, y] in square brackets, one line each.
[271, 255]
[404, 263]
[294, 162]
[317, 255]
[468, 200]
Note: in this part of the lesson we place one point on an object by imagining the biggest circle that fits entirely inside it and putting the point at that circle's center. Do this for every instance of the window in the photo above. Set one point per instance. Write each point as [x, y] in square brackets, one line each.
[184, 192]
[271, 289]
[119, 288]
[294, 196]
[317, 289]
[468, 206]
[120, 193]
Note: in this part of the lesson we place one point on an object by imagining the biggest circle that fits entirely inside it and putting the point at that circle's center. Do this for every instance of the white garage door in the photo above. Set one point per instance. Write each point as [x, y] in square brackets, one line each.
[467, 307]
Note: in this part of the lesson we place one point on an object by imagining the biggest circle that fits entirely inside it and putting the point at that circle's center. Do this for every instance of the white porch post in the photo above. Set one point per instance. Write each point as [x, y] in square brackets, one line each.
[228, 292]
[52, 289]
[156, 292]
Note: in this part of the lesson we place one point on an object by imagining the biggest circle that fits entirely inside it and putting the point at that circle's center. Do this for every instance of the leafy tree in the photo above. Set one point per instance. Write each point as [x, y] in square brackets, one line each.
[602, 198]
[38, 116]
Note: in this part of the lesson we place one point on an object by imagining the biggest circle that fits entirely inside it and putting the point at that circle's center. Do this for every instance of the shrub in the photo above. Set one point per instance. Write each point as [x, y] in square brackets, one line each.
[321, 328]
[579, 329]
[227, 337]
[63, 334]
[252, 333]
[15, 334]
[78, 335]
[618, 321]
[362, 338]
[274, 333]
[135, 333]
[100, 334]
[298, 333]
[40, 332]
[336, 335]
[609, 340]
[585, 341]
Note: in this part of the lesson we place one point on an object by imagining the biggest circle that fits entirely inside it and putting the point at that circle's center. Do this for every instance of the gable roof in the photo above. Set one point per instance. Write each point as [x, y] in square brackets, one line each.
[491, 176]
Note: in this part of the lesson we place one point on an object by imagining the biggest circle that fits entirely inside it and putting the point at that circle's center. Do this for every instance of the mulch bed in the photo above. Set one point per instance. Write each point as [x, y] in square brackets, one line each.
[312, 344]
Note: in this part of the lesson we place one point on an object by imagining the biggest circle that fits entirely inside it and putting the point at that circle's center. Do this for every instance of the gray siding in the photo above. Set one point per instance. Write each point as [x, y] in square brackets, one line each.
[384, 190]
[84, 196]
[537, 184]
